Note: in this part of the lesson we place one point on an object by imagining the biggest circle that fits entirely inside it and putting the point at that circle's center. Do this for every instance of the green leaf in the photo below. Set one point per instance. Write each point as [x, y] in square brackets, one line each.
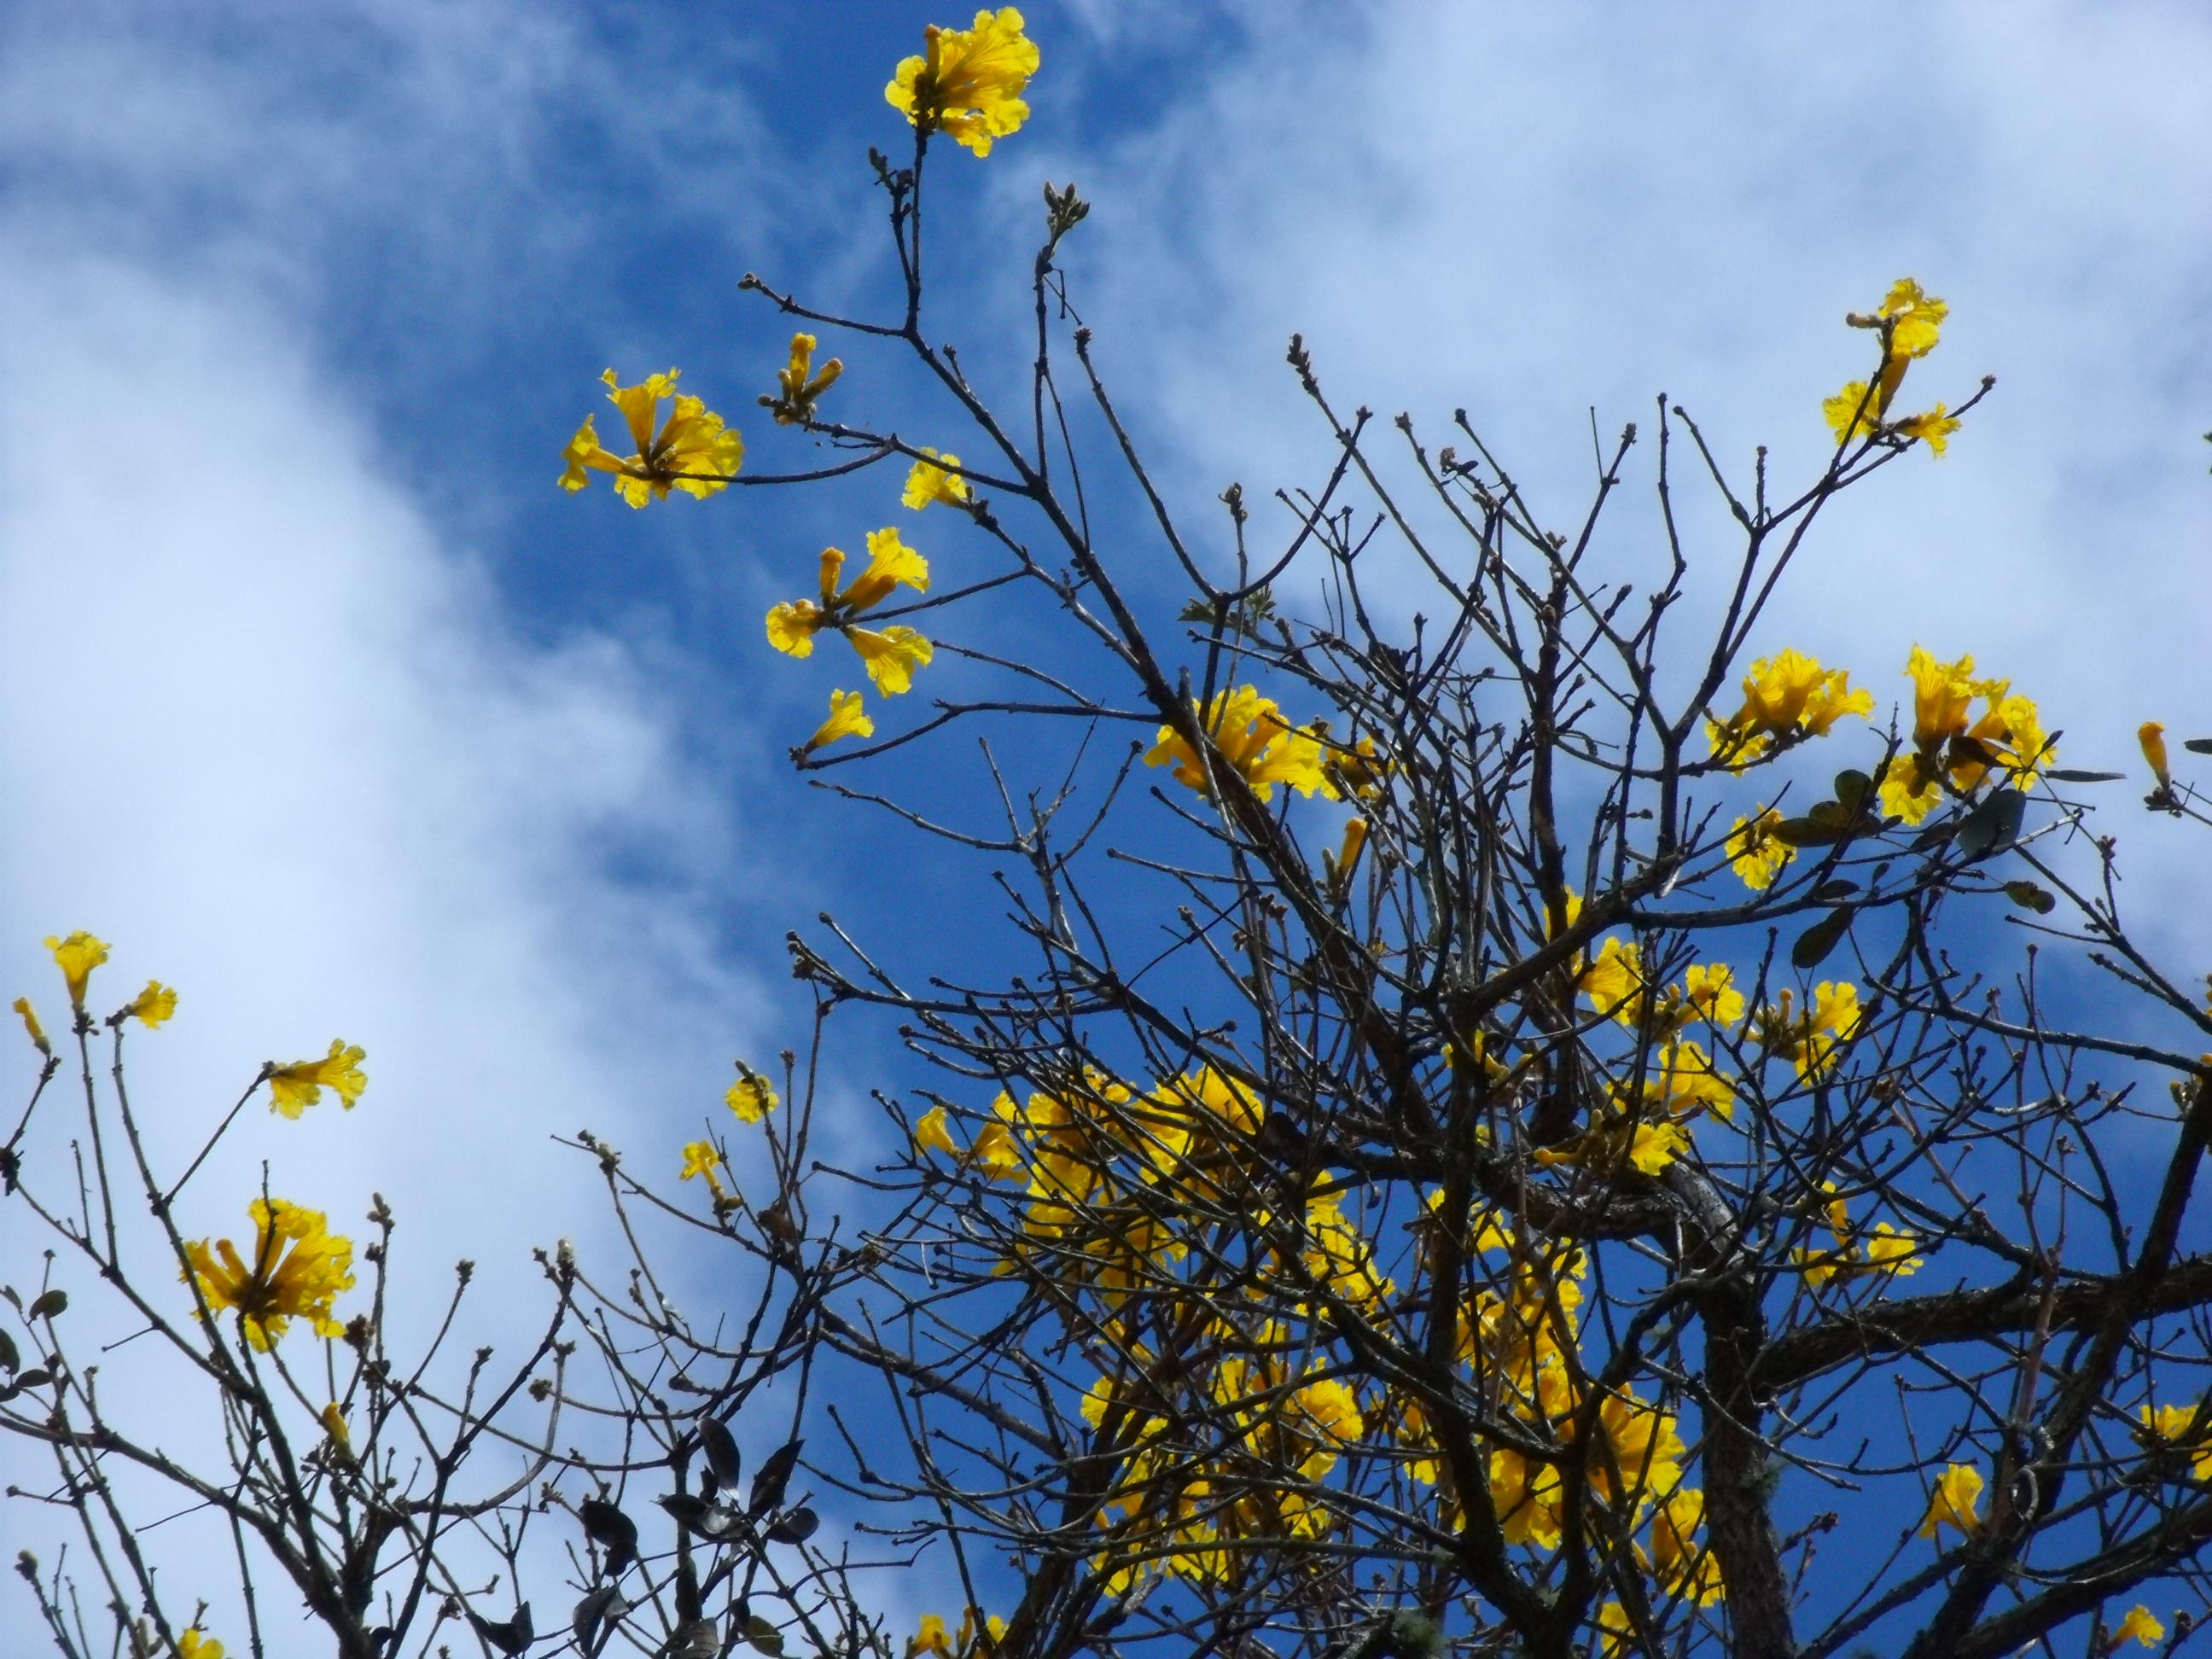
[2029, 896]
[2197, 745]
[2068, 774]
[1853, 786]
[1994, 825]
[1829, 891]
[1810, 832]
[1815, 942]
[49, 1303]
[9, 1358]
[763, 1638]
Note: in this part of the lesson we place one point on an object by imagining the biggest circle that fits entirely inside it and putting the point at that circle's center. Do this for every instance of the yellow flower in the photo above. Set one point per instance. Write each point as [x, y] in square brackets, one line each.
[30, 1018]
[1255, 741]
[299, 1268]
[1677, 1560]
[891, 656]
[1614, 983]
[156, 1003]
[935, 1132]
[1686, 1084]
[932, 1637]
[1755, 852]
[997, 1151]
[1932, 429]
[1808, 1040]
[293, 1088]
[194, 1646]
[2139, 1625]
[751, 1096]
[1947, 743]
[968, 83]
[694, 452]
[1710, 988]
[928, 481]
[799, 386]
[334, 1426]
[1885, 1250]
[1646, 1147]
[2151, 736]
[76, 957]
[701, 1157]
[2172, 1425]
[1854, 412]
[1953, 1503]
[1914, 319]
[1642, 1457]
[848, 718]
[1790, 697]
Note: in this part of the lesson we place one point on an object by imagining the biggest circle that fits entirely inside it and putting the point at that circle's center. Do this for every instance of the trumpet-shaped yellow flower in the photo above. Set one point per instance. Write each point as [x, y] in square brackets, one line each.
[156, 1003]
[1685, 1085]
[701, 1157]
[932, 1637]
[934, 1133]
[1755, 852]
[1253, 741]
[1788, 697]
[1710, 988]
[191, 1644]
[799, 384]
[1932, 429]
[694, 452]
[76, 957]
[1649, 1148]
[2140, 1625]
[1955, 1502]
[293, 1088]
[1914, 319]
[298, 1270]
[1949, 743]
[1857, 1254]
[334, 1426]
[29, 1016]
[968, 83]
[2175, 1425]
[1809, 1039]
[891, 655]
[2152, 737]
[751, 1096]
[1614, 983]
[848, 718]
[1680, 1564]
[929, 480]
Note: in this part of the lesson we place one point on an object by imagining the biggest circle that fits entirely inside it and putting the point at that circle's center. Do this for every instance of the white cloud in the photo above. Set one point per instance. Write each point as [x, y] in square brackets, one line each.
[1528, 211]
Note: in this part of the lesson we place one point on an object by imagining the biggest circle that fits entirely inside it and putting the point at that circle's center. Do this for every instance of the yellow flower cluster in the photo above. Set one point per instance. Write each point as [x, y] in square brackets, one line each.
[692, 450]
[1755, 852]
[1810, 1038]
[1951, 745]
[933, 1639]
[968, 83]
[2179, 1426]
[1885, 1251]
[1251, 738]
[891, 655]
[799, 384]
[1909, 322]
[298, 1270]
[1787, 698]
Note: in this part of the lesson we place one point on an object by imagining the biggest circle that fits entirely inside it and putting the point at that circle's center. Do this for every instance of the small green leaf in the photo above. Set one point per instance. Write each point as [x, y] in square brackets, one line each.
[763, 1638]
[9, 1358]
[49, 1303]
[2197, 745]
[2029, 896]
[1853, 786]
[1808, 832]
[2068, 774]
[1829, 891]
[1994, 825]
[1815, 942]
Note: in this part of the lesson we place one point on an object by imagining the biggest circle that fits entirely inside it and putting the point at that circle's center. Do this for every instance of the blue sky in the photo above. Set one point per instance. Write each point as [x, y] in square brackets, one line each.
[325, 705]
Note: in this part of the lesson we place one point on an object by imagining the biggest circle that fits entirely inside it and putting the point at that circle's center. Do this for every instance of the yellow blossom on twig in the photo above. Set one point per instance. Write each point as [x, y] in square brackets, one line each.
[751, 1096]
[1789, 697]
[892, 654]
[1955, 1502]
[848, 718]
[968, 83]
[156, 1003]
[293, 1088]
[38, 1032]
[928, 480]
[694, 452]
[76, 957]
[799, 384]
[298, 1267]
[1253, 741]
